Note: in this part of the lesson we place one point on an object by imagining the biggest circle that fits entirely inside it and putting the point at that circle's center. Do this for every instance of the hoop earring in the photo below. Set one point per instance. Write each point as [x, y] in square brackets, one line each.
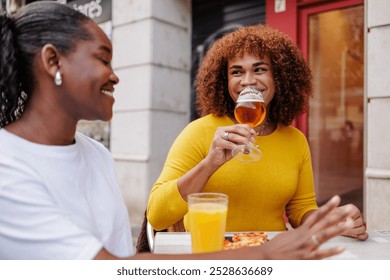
[58, 78]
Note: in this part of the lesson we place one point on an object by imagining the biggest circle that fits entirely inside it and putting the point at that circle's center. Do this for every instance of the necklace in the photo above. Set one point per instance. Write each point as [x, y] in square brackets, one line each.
[262, 128]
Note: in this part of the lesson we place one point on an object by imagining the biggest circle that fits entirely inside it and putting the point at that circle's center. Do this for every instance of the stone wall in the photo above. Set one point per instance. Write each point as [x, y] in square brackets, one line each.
[152, 58]
[377, 134]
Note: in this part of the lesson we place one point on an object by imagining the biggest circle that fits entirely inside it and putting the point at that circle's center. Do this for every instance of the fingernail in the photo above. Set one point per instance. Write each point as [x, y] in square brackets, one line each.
[340, 249]
[335, 198]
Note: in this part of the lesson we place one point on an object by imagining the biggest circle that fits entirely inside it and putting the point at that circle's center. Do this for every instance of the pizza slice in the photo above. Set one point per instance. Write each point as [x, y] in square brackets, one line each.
[246, 239]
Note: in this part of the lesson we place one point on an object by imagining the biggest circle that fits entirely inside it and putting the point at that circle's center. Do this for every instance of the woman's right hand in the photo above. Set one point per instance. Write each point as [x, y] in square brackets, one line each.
[220, 151]
[226, 138]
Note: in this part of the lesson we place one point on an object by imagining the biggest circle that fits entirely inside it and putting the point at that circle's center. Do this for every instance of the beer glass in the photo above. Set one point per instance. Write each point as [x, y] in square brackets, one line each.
[250, 109]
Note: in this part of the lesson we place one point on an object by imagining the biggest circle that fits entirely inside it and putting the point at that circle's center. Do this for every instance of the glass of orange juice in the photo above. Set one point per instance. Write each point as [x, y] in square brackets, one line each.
[207, 214]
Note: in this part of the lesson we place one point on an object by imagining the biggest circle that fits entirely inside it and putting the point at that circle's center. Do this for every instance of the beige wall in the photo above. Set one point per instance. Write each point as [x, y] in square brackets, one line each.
[152, 58]
[377, 131]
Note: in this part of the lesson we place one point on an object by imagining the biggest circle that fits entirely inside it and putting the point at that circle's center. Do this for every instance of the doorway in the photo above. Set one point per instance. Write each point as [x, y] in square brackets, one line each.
[332, 39]
[213, 19]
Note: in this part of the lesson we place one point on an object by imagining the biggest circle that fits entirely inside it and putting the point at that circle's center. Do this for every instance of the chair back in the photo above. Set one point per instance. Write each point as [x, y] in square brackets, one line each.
[145, 240]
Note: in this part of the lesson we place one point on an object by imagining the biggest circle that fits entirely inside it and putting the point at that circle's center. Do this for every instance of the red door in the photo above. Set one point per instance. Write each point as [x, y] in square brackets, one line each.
[330, 35]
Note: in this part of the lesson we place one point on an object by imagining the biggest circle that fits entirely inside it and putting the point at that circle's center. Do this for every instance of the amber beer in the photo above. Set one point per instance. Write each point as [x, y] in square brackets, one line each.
[250, 112]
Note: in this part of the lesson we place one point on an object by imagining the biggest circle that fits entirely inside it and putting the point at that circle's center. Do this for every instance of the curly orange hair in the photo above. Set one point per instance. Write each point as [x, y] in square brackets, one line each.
[291, 74]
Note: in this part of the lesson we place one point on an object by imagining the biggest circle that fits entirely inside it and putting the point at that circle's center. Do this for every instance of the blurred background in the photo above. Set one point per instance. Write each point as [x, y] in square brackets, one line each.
[158, 45]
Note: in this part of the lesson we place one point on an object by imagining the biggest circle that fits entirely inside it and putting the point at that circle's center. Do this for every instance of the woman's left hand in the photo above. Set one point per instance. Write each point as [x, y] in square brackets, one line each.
[358, 230]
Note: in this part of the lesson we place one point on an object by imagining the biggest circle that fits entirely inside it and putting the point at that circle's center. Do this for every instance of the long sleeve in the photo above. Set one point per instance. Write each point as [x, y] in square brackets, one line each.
[304, 198]
[259, 193]
[166, 206]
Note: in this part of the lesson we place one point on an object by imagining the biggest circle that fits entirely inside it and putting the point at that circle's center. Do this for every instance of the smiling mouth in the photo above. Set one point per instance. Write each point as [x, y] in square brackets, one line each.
[107, 92]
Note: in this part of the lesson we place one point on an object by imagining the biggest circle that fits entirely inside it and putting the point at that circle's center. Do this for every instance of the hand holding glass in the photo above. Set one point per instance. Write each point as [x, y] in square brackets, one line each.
[250, 110]
[207, 213]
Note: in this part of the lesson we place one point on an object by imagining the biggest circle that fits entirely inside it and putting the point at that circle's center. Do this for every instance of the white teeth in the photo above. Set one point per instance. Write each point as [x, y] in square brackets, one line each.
[106, 92]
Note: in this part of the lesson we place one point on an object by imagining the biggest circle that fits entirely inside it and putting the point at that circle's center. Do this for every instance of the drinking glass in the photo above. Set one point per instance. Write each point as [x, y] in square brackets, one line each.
[207, 214]
[250, 109]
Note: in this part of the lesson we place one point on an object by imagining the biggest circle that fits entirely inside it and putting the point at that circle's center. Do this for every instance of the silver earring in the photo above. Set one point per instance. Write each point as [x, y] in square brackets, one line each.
[58, 78]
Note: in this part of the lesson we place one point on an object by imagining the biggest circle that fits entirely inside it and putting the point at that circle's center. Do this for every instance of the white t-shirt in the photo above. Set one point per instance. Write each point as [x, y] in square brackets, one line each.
[60, 202]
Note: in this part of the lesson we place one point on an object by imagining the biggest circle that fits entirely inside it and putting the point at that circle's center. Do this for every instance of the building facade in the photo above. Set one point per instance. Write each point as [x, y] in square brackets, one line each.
[145, 125]
[373, 167]
[158, 42]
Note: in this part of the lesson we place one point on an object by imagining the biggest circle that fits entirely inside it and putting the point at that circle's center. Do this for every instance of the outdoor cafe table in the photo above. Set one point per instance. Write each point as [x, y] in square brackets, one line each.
[377, 246]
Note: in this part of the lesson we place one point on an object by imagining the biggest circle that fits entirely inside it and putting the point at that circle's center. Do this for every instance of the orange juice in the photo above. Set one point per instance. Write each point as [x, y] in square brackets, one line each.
[207, 223]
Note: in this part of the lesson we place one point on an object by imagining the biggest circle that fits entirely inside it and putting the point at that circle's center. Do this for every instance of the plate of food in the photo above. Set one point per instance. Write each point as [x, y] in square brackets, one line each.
[244, 239]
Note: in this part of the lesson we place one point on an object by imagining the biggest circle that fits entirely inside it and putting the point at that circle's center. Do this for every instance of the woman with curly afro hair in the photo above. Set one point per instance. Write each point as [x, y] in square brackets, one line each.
[200, 160]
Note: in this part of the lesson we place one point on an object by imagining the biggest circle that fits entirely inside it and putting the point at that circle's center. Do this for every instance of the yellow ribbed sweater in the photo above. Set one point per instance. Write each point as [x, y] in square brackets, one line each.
[259, 193]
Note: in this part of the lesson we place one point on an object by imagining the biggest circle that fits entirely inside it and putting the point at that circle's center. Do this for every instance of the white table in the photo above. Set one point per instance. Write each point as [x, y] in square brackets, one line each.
[377, 246]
